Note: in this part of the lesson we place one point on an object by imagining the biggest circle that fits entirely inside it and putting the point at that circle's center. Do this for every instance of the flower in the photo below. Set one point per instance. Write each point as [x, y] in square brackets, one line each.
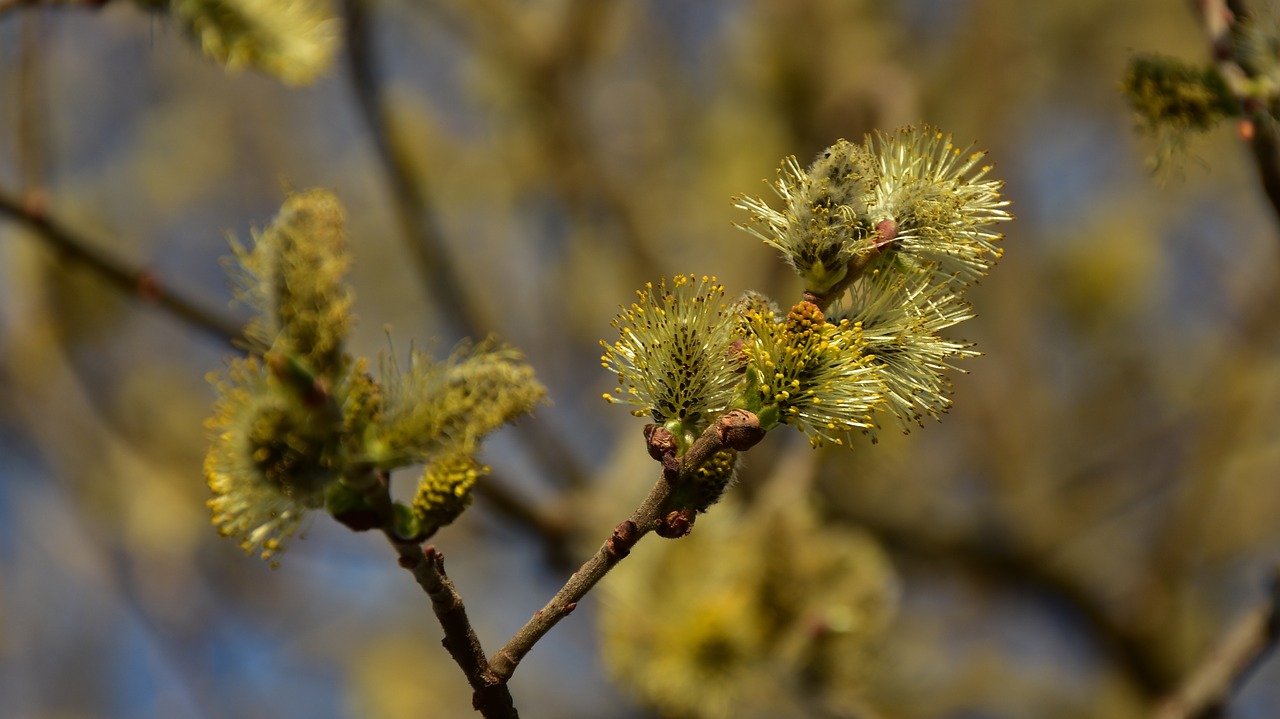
[675, 353]
[435, 407]
[445, 490]
[940, 203]
[888, 235]
[901, 318]
[811, 374]
[711, 479]
[292, 275]
[271, 460]
[293, 40]
[911, 194]
[824, 224]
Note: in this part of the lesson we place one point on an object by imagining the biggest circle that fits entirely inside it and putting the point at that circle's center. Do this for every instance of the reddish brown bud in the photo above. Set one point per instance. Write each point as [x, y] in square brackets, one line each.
[739, 429]
[625, 536]
[661, 442]
[738, 354]
[678, 523]
[886, 232]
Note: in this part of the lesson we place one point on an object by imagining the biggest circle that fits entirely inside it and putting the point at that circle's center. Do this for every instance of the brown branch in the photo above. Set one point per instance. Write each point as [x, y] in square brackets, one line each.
[490, 694]
[419, 225]
[1205, 692]
[644, 520]
[1261, 124]
[8, 5]
[737, 429]
[136, 282]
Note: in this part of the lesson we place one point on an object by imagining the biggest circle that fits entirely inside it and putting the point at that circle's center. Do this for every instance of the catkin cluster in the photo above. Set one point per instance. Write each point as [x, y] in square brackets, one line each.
[887, 236]
[298, 425]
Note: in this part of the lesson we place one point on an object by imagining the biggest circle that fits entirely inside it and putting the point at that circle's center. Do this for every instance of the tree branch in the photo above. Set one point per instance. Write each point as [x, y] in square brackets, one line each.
[139, 283]
[1205, 692]
[644, 520]
[419, 226]
[1218, 17]
[490, 697]
[737, 429]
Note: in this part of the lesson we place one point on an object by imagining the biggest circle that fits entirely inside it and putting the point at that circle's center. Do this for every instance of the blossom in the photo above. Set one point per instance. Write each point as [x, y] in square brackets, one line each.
[433, 407]
[911, 194]
[271, 460]
[445, 490]
[675, 357]
[294, 40]
[292, 275]
[712, 478]
[940, 201]
[901, 317]
[811, 374]
[824, 221]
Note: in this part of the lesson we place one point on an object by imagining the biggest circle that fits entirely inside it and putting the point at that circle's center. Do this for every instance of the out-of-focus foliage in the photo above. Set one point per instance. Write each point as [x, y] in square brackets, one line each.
[761, 612]
[294, 40]
[1097, 506]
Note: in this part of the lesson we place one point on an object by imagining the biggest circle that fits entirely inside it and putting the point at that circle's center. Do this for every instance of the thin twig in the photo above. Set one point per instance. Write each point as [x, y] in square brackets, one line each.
[1219, 17]
[737, 429]
[1205, 692]
[644, 520]
[136, 282]
[491, 697]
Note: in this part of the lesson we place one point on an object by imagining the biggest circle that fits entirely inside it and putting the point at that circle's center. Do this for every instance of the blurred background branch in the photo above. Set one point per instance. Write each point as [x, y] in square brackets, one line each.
[1207, 690]
[131, 281]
